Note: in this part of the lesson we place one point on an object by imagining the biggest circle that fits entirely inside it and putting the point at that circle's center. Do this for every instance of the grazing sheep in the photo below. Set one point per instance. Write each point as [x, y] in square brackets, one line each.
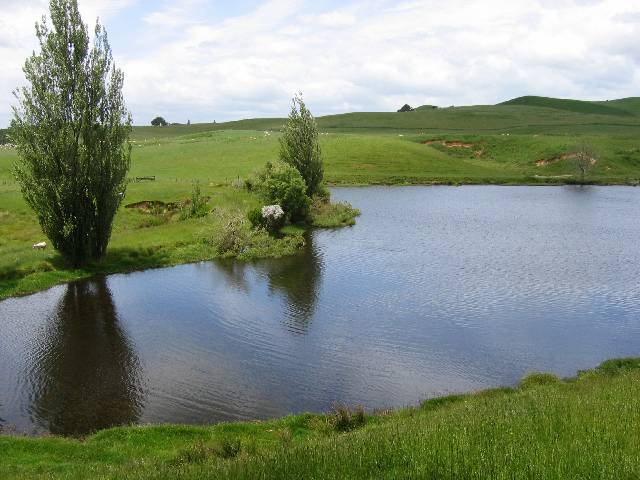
[40, 246]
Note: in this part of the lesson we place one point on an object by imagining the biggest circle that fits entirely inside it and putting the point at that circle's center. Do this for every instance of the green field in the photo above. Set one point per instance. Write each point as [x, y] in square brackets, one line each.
[526, 141]
[586, 427]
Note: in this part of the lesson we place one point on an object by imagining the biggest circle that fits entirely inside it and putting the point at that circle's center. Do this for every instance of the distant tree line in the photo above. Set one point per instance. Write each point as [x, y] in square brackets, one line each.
[161, 122]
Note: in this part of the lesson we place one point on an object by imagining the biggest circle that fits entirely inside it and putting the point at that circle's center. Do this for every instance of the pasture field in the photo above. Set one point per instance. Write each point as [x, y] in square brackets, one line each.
[585, 427]
[527, 141]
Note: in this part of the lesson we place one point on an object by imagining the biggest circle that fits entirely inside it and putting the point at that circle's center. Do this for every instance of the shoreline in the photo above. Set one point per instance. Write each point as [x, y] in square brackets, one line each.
[36, 282]
[552, 416]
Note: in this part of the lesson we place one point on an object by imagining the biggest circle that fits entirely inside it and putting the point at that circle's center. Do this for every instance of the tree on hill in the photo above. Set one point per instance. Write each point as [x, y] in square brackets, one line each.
[71, 129]
[299, 146]
[406, 108]
[159, 122]
[585, 158]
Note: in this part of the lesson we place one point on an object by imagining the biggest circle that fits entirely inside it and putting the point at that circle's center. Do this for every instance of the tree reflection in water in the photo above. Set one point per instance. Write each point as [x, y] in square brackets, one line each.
[85, 373]
[298, 278]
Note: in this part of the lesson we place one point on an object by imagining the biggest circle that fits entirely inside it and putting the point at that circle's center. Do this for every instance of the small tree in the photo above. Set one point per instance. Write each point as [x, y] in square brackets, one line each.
[71, 129]
[299, 145]
[585, 158]
[159, 122]
[406, 108]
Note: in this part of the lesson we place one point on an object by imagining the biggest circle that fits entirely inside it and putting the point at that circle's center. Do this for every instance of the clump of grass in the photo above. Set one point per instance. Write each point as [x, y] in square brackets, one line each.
[192, 454]
[619, 365]
[332, 215]
[434, 403]
[538, 379]
[199, 453]
[345, 419]
[229, 447]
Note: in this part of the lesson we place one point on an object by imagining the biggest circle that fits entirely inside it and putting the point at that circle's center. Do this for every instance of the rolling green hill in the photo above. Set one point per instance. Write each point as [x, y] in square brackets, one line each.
[577, 106]
[524, 115]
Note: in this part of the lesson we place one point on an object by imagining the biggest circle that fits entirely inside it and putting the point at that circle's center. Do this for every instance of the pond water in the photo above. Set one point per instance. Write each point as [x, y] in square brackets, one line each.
[435, 290]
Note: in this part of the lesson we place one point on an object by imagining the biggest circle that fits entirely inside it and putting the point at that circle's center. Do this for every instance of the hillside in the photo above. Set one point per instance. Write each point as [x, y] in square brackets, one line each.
[524, 115]
[577, 106]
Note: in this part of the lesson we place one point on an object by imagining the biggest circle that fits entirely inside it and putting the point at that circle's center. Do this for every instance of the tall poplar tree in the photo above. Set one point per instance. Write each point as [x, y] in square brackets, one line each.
[71, 128]
[299, 146]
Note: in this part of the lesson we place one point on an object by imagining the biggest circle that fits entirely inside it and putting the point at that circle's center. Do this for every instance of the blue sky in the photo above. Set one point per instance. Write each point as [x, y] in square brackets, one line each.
[217, 60]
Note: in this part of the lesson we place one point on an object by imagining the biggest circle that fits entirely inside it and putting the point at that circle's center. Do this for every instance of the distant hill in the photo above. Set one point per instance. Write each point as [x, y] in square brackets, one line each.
[615, 107]
[520, 115]
[631, 104]
[426, 107]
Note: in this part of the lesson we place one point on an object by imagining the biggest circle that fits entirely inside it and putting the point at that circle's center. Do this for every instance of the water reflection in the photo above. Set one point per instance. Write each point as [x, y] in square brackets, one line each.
[84, 374]
[433, 291]
[298, 279]
[235, 273]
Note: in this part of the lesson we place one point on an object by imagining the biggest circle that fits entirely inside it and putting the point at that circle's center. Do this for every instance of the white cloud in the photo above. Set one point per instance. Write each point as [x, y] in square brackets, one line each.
[373, 55]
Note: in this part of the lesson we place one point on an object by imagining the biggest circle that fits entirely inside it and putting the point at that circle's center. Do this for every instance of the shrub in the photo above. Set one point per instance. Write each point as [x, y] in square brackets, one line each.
[271, 217]
[323, 194]
[232, 238]
[197, 207]
[255, 217]
[281, 184]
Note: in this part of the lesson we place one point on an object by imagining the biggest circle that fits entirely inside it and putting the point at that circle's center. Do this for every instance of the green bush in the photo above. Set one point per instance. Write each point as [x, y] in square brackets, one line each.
[197, 206]
[257, 220]
[281, 184]
[255, 217]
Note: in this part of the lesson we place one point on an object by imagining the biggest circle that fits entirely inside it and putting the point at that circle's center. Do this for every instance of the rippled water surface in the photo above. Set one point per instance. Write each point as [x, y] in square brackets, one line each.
[435, 290]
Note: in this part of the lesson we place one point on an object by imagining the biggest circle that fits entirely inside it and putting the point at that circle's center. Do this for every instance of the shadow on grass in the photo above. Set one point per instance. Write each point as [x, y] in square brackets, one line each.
[54, 270]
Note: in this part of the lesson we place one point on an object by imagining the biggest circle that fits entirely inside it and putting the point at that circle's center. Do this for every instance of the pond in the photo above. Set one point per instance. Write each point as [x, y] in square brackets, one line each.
[435, 290]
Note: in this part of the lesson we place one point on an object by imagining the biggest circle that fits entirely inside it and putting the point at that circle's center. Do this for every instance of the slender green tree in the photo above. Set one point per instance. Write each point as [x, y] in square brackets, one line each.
[299, 146]
[71, 128]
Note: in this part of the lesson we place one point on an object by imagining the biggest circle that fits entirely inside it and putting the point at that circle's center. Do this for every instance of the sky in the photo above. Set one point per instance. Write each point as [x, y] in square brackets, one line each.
[206, 60]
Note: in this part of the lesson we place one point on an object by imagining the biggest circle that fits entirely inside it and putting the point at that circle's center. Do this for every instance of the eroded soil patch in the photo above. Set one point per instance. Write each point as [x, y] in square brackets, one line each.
[543, 162]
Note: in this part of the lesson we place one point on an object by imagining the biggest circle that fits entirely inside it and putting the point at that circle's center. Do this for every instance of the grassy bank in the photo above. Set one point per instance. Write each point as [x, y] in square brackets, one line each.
[528, 141]
[147, 238]
[585, 427]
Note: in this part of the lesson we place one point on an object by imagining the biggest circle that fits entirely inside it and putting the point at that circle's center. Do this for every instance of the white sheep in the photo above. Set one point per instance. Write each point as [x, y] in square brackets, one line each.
[40, 246]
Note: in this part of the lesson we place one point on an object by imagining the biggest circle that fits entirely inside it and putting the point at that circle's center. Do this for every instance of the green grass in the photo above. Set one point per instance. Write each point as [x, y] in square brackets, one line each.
[520, 143]
[577, 106]
[584, 427]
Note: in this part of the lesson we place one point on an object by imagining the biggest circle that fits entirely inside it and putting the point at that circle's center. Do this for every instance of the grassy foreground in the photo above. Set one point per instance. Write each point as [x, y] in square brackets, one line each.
[585, 427]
